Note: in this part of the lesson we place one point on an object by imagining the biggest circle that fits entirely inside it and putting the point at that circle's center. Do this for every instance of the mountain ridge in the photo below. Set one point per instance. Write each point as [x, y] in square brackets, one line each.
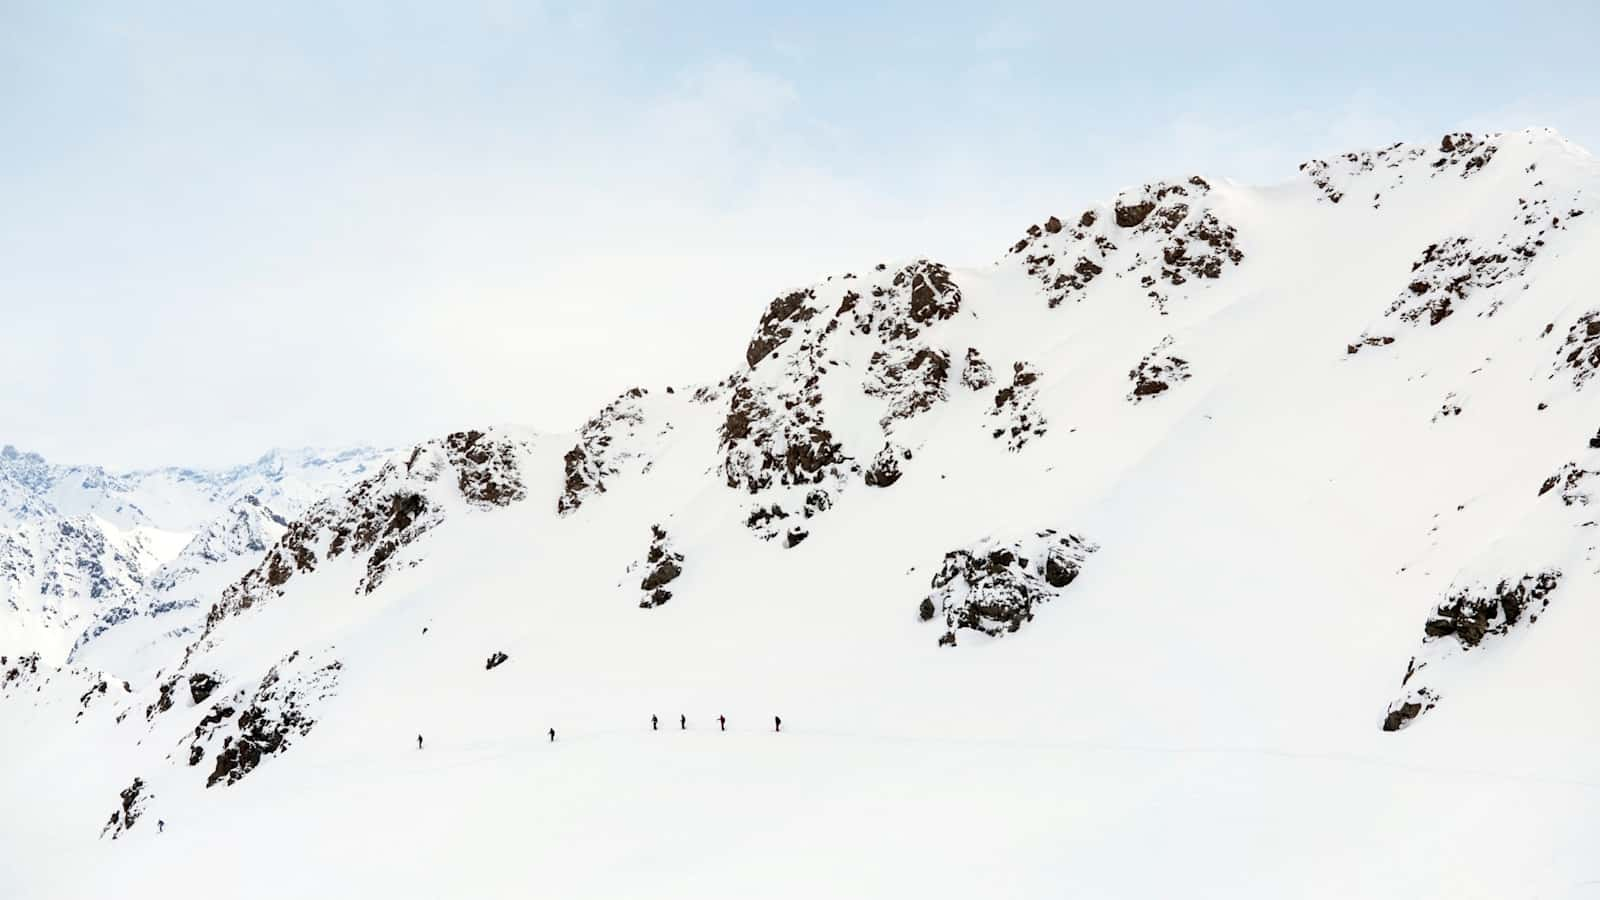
[1204, 477]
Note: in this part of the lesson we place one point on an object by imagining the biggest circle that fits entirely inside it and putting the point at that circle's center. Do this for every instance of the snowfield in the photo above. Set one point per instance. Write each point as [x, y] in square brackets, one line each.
[1311, 619]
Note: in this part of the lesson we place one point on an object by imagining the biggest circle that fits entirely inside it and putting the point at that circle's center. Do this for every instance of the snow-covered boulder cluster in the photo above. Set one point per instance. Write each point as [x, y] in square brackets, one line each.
[884, 470]
[1483, 265]
[1478, 271]
[975, 372]
[1447, 273]
[775, 439]
[992, 588]
[99, 689]
[239, 732]
[1570, 481]
[1164, 234]
[1064, 279]
[772, 438]
[1580, 351]
[1468, 616]
[1157, 372]
[134, 799]
[618, 440]
[1333, 176]
[16, 671]
[1473, 614]
[1381, 171]
[661, 566]
[911, 381]
[1016, 406]
[768, 521]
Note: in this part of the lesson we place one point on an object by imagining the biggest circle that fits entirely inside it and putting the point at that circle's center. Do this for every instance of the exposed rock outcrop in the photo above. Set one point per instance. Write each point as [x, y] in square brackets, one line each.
[1382, 171]
[201, 686]
[662, 565]
[1482, 272]
[912, 381]
[777, 323]
[134, 799]
[1580, 352]
[1014, 405]
[975, 373]
[1472, 614]
[1463, 621]
[1157, 372]
[767, 522]
[1164, 234]
[278, 712]
[1571, 480]
[885, 467]
[775, 439]
[993, 588]
[618, 440]
[18, 670]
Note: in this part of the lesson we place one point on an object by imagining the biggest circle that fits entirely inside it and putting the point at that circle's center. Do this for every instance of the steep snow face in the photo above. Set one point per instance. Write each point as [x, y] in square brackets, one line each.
[1193, 525]
[84, 550]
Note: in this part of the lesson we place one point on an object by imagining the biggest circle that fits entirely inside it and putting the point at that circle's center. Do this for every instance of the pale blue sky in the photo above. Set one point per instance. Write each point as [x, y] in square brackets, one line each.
[342, 221]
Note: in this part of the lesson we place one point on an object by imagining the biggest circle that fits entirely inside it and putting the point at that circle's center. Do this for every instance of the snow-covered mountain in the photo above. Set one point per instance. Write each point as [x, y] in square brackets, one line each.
[83, 549]
[1216, 540]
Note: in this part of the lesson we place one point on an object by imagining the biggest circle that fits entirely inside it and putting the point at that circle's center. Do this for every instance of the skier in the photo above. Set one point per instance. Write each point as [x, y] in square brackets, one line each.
[653, 722]
[161, 826]
[683, 722]
[723, 721]
[552, 735]
[419, 742]
[777, 724]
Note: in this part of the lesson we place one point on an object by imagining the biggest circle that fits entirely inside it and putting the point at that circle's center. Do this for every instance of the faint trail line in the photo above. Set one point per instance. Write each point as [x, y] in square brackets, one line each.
[489, 751]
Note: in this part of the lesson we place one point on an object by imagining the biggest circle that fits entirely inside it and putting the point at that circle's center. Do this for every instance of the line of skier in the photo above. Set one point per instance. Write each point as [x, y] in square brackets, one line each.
[655, 725]
[722, 723]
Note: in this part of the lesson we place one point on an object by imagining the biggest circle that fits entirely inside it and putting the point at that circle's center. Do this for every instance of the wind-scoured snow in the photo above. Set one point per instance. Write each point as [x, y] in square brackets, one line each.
[1258, 520]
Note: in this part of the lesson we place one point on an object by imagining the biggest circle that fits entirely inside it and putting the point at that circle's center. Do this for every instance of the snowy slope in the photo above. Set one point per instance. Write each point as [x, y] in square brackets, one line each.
[1216, 541]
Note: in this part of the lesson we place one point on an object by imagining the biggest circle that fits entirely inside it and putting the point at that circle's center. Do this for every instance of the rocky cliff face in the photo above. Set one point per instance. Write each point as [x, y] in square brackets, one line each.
[379, 516]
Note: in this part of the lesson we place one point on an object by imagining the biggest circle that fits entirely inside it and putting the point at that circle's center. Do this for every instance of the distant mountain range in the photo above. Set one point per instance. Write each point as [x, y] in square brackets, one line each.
[83, 548]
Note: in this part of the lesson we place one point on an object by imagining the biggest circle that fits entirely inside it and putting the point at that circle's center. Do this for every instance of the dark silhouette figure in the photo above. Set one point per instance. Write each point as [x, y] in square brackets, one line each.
[723, 721]
[777, 724]
[552, 735]
[161, 826]
[654, 722]
[683, 722]
[419, 742]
